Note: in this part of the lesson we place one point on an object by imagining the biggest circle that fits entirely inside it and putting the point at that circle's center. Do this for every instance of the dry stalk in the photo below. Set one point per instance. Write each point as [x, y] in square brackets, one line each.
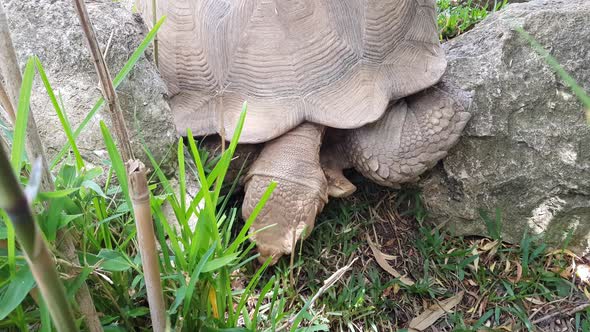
[12, 76]
[136, 175]
[30, 238]
[108, 90]
[154, 20]
[140, 197]
[568, 313]
[6, 104]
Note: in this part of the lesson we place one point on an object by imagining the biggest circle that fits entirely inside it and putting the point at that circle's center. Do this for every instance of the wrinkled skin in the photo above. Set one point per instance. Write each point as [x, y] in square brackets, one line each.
[292, 161]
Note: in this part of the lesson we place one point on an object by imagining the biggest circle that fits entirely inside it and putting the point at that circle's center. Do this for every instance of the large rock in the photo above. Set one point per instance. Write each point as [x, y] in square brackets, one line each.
[50, 29]
[526, 149]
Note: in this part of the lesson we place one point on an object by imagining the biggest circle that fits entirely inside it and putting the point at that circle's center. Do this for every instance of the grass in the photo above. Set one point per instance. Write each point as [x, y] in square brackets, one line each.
[456, 17]
[210, 276]
[369, 299]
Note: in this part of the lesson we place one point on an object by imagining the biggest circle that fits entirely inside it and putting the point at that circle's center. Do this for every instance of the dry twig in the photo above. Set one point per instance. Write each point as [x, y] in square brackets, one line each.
[36, 251]
[108, 90]
[6, 104]
[12, 76]
[560, 312]
[136, 175]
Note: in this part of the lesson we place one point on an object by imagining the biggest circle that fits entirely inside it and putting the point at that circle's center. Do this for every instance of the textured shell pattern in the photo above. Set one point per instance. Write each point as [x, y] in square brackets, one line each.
[333, 62]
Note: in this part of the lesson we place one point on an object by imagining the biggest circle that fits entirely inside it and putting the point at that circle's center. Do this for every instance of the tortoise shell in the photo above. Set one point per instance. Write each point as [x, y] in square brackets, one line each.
[337, 63]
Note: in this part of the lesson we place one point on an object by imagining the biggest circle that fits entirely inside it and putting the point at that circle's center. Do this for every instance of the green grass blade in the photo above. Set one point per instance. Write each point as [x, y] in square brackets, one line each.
[209, 208]
[18, 148]
[171, 198]
[194, 278]
[60, 114]
[251, 285]
[22, 116]
[221, 262]
[242, 236]
[261, 298]
[16, 292]
[273, 301]
[117, 162]
[226, 159]
[577, 89]
[181, 179]
[220, 170]
[46, 325]
[10, 244]
[178, 253]
[121, 75]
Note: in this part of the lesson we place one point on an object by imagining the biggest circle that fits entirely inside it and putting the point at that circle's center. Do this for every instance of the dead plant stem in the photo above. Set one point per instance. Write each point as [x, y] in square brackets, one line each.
[12, 76]
[108, 90]
[136, 173]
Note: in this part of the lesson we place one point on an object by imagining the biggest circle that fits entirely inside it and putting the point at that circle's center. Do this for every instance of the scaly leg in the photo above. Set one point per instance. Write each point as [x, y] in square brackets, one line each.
[292, 161]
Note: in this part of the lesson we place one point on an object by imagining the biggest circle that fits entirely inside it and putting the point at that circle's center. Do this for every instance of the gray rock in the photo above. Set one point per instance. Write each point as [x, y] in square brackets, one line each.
[50, 29]
[526, 150]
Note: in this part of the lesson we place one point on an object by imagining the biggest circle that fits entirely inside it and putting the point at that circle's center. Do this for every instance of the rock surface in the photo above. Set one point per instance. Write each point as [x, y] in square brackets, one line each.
[526, 150]
[50, 29]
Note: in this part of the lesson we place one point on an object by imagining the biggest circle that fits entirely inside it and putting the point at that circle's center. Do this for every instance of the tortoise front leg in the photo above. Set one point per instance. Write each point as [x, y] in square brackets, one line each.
[292, 160]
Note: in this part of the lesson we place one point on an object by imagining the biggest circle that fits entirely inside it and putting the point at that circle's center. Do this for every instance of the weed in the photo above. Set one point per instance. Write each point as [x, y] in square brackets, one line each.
[455, 17]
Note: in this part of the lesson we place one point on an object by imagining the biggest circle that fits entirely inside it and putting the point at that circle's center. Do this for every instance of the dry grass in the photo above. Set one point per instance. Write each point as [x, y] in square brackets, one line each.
[507, 287]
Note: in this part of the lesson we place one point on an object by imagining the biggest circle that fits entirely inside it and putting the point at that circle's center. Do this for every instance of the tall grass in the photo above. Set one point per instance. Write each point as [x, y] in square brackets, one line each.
[199, 266]
[22, 222]
[456, 17]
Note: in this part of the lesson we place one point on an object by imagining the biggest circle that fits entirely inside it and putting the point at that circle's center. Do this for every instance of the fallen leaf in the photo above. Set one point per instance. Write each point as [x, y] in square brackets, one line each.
[493, 266]
[476, 261]
[382, 259]
[434, 312]
[505, 328]
[387, 291]
[567, 272]
[482, 306]
[489, 246]
[518, 273]
[331, 281]
[393, 289]
[562, 252]
[494, 250]
[535, 300]
[507, 267]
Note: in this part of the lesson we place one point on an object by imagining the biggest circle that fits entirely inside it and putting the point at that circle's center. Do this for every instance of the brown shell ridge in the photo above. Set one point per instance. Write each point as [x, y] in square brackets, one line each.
[294, 61]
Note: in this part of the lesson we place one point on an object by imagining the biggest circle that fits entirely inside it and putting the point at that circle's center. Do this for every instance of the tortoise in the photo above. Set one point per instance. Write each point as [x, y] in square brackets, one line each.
[330, 85]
